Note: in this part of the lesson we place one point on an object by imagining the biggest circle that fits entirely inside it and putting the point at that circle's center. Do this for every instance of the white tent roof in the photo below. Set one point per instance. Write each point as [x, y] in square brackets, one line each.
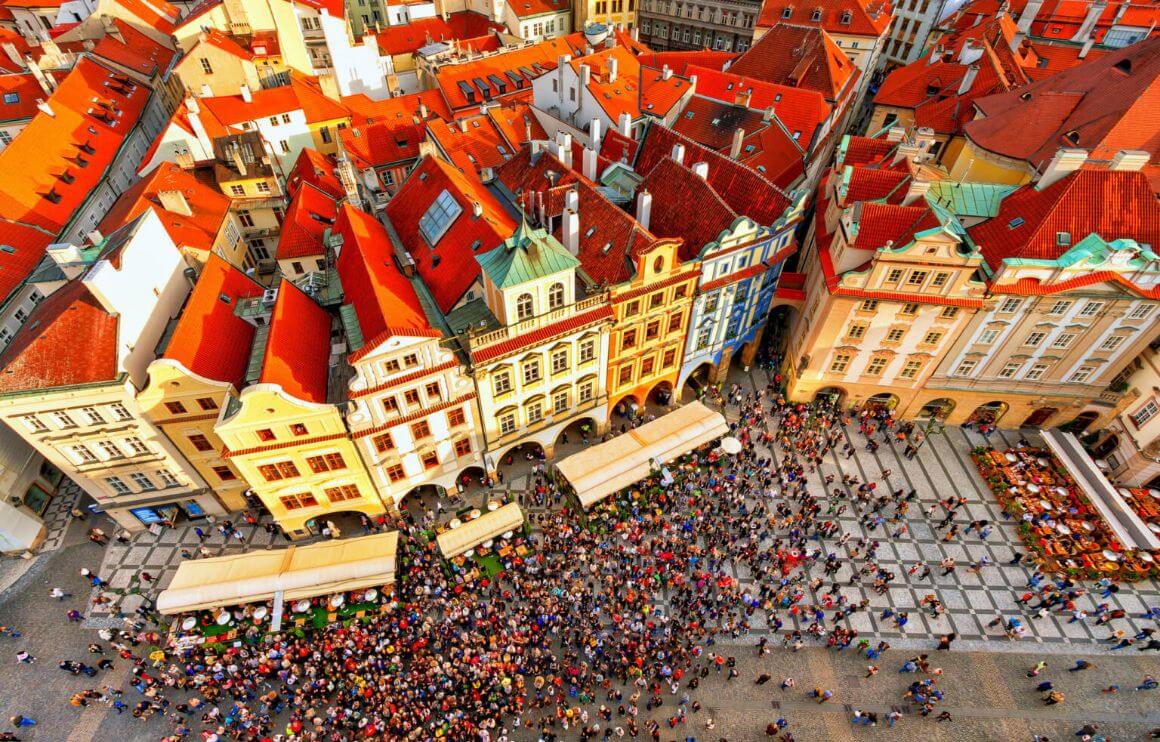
[299, 572]
[598, 471]
[1129, 529]
[455, 541]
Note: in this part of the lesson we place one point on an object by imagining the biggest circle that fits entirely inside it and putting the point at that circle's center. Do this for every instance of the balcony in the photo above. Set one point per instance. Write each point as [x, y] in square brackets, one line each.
[509, 332]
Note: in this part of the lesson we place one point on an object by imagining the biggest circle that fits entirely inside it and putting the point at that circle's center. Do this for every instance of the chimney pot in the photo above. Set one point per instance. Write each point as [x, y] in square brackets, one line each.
[701, 170]
[1064, 162]
[735, 146]
[246, 96]
[644, 208]
[1130, 160]
[679, 153]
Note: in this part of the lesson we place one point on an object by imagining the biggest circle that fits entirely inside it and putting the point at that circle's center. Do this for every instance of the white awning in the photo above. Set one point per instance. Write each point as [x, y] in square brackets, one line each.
[1129, 529]
[598, 471]
[455, 541]
[298, 571]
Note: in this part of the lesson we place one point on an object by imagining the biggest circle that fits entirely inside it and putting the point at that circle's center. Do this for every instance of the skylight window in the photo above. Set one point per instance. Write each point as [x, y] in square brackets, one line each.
[11, 98]
[1015, 223]
[437, 219]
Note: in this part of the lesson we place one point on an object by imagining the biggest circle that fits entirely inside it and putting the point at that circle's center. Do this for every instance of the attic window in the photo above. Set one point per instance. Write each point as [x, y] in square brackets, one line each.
[607, 246]
[438, 217]
[1124, 65]
[67, 176]
[716, 122]
[1015, 223]
[591, 231]
[777, 98]
[1063, 239]
[224, 299]
[729, 86]
[53, 196]
[1025, 97]
[846, 17]
[1072, 136]
[11, 98]
[435, 260]
[796, 134]
[787, 11]
[422, 177]
[816, 15]
[749, 148]
[10, 250]
[689, 115]
[476, 245]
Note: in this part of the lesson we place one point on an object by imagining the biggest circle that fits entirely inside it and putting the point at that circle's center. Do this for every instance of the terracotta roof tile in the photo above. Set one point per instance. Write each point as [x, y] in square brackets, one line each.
[449, 267]
[297, 352]
[615, 147]
[381, 144]
[866, 150]
[610, 239]
[867, 184]
[317, 169]
[410, 37]
[712, 122]
[845, 17]
[1112, 204]
[26, 90]
[684, 63]
[879, 224]
[311, 212]
[302, 94]
[470, 143]
[68, 339]
[529, 8]
[513, 119]
[208, 207]
[210, 339]
[798, 109]
[816, 63]
[686, 207]
[536, 58]
[404, 109]
[28, 245]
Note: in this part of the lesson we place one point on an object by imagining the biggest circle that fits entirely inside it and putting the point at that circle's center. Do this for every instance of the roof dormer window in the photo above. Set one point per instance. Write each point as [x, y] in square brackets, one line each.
[816, 15]
[846, 18]
[787, 11]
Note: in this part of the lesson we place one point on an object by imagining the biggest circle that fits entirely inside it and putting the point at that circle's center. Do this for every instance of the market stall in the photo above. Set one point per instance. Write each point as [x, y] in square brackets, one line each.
[598, 471]
[246, 595]
[462, 536]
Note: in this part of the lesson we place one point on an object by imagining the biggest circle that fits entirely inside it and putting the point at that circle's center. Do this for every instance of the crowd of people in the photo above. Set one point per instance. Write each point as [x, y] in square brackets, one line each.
[606, 629]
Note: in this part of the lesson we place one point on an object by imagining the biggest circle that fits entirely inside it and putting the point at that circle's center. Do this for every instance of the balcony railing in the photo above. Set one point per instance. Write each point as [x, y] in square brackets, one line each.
[534, 323]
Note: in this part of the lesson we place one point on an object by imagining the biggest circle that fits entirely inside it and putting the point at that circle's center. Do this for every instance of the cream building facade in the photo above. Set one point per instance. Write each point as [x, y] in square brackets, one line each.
[1131, 444]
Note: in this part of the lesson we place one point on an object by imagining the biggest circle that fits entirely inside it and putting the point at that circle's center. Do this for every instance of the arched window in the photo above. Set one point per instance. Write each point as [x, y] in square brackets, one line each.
[659, 264]
[524, 306]
[556, 296]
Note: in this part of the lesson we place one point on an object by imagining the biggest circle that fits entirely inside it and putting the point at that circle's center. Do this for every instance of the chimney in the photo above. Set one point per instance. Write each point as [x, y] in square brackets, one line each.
[174, 202]
[916, 191]
[634, 33]
[1027, 17]
[45, 108]
[666, 72]
[585, 75]
[564, 147]
[245, 91]
[68, 258]
[935, 56]
[970, 53]
[593, 133]
[626, 125]
[463, 125]
[744, 97]
[1130, 160]
[527, 129]
[13, 54]
[895, 133]
[423, 111]
[237, 159]
[968, 79]
[679, 153]
[590, 163]
[643, 207]
[184, 160]
[571, 199]
[328, 84]
[735, 147]
[571, 231]
[1095, 10]
[1065, 161]
[476, 209]
[1087, 46]
[768, 115]
[613, 68]
[701, 170]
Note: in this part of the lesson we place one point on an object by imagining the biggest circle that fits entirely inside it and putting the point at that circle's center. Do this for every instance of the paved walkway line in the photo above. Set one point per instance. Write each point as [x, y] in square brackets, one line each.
[95, 713]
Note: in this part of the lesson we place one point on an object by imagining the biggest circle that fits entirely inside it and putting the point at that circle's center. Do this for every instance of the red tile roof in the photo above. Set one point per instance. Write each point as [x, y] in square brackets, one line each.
[208, 207]
[879, 224]
[404, 109]
[8, 36]
[135, 50]
[869, 184]
[27, 91]
[215, 38]
[1061, 19]
[800, 110]
[615, 147]
[637, 90]
[610, 239]
[1112, 204]
[746, 191]
[69, 339]
[383, 299]
[815, 62]
[684, 63]
[513, 118]
[378, 145]
[840, 17]
[772, 151]
[529, 8]
[210, 340]
[686, 207]
[317, 169]
[543, 54]
[712, 122]
[470, 143]
[302, 94]
[1037, 287]
[866, 150]
[1104, 106]
[44, 182]
[311, 212]
[297, 352]
[27, 248]
[420, 32]
[448, 268]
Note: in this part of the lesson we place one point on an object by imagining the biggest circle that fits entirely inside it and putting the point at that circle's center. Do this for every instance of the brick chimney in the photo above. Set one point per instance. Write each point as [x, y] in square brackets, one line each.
[174, 202]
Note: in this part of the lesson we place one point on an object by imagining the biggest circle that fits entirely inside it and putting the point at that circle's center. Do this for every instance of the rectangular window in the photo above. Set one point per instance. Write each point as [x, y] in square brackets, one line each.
[433, 391]
[646, 367]
[1145, 413]
[1035, 372]
[110, 450]
[966, 368]
[1091, 309]
[455, 417]
[33, 423]
[909, 309]
[144, 483]
[916, 278]
[392, 366]
[207, 403]
[702, 338]
[840, 363]
[383, 442]
[857, 330]
[502, 382]
[507, 423]
[1082, 374]
[585, 391]
[560, 402]
[875, 367]
[895, 335]
[674, 322]
[932, 338]
[940, 280]
[1140, 312]
[986, 337]
[94, 417]
[278, 471]
[395, 473]
[1034, 339]
[225, 473]
[628, 340]
[587, 350]
[711, 304]
[438, 217]
[535, 412]
[462, 447]
[200, 442]
[239, 191]
[83, 455]
[118, 485]
[625, 376]
[1009, 371]
[1059, 307]
[167, 478]
[869, 305]
[206, 67]
[137, 446]
[325, 462]
[656, 300]
[391, 405]
[299, 501]
[669, 359]
[894, 275]
[949, 312]
[265, 435]
[1010, 305]
[653, 330]
[1112, 342]
[175, 408]
[411, 397]
[1063, 340]
[342, 493]
[632, 309]
[910, 370]
[121, 412]
[559, 361]
[298, 429]
[532, 371]
[420, 430]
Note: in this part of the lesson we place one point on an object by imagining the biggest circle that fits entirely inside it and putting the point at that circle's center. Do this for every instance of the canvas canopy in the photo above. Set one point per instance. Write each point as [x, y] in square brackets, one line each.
[455, 541]
[298, 572]
[1129, 529]
[598, 471]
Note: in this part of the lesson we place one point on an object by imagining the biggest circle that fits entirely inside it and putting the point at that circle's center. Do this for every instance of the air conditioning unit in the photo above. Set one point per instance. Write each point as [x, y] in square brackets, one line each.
[269, 296]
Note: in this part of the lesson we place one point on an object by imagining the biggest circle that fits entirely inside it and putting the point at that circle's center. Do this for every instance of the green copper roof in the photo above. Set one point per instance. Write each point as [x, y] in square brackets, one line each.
[969, 199]
[525, 256]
